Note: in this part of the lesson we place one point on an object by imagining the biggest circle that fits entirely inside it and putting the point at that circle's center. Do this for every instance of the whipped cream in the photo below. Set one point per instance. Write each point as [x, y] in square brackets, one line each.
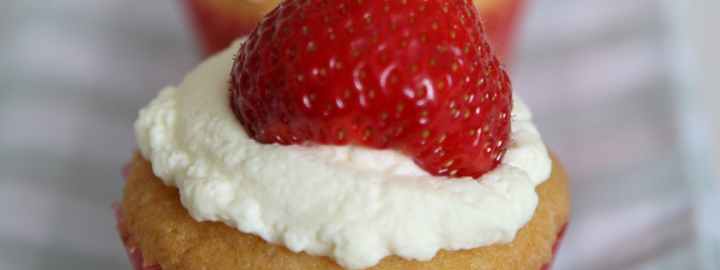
[353, 204]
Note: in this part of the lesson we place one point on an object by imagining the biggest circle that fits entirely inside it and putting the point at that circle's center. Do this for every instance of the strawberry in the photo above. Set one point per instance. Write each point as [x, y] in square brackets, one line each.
[416, 76]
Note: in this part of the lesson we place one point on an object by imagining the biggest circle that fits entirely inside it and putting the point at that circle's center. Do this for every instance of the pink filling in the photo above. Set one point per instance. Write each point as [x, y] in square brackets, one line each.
[126, 170]
[556, 246]
[133, 253]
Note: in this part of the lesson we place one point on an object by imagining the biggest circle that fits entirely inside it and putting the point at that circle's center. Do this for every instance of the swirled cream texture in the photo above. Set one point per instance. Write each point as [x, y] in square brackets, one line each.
[353, 204]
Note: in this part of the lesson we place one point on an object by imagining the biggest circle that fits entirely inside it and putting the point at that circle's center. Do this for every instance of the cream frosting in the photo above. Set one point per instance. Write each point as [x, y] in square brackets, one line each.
[353, 204]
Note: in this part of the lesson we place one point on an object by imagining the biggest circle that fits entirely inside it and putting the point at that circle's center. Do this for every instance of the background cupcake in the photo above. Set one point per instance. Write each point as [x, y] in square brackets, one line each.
[219, 22]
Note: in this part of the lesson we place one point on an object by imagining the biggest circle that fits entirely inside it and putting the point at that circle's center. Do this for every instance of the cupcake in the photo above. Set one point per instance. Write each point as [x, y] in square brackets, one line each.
[345, 134]
[219, 22]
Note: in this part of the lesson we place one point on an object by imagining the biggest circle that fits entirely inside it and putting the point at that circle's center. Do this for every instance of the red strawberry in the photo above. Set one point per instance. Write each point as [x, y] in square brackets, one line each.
[416, 76]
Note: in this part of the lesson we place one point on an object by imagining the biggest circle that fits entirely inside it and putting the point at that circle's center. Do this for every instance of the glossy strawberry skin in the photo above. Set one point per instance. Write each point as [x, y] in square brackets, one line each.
[411, 75]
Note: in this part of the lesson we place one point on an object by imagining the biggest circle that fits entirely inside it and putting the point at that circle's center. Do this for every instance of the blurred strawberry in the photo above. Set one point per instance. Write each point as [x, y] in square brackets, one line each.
[500, 18]
[219, 22]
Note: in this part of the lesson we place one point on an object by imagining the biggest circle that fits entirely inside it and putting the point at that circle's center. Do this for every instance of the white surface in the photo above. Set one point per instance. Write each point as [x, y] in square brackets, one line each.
[73, 74]
[352, 204]
[698, 71]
